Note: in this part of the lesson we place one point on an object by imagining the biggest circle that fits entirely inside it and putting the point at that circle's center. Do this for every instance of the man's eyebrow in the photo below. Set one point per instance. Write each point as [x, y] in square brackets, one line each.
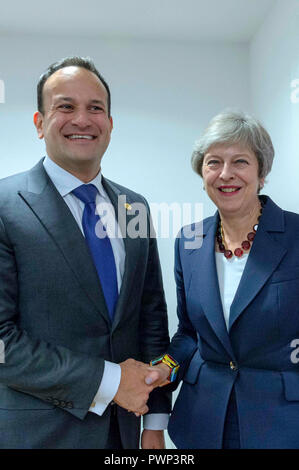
[63, 98]
[70, 100]
[98, 101]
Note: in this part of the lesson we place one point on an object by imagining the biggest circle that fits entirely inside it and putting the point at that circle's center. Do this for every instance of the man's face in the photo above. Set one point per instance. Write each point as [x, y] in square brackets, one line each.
[75, 122]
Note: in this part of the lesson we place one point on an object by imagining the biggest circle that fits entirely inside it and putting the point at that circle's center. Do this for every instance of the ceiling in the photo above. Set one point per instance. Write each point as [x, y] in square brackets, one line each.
[195, 20]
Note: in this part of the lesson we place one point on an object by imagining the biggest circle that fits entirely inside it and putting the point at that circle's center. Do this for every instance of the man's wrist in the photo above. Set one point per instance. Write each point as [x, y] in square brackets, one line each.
[155, 421]
[107, 389]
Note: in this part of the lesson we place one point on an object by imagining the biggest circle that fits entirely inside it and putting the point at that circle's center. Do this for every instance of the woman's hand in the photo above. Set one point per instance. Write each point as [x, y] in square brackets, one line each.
[157, 375]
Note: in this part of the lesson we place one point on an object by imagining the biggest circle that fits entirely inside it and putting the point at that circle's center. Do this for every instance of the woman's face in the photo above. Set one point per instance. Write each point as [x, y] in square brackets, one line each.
[230, 174]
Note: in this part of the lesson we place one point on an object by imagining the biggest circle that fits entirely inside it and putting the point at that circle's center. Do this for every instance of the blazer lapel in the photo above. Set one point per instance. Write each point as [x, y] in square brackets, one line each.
[264, 257]
[53, 213]
[205, 282]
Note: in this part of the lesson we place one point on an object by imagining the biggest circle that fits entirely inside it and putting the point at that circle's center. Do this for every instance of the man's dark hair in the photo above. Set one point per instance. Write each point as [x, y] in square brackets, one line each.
[84, 62]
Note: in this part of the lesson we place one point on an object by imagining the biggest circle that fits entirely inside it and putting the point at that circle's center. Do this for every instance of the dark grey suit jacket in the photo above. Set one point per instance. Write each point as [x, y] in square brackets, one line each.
[54, 320]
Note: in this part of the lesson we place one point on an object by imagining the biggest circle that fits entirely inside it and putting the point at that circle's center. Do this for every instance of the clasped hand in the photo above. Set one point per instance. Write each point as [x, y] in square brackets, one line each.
[136, 383]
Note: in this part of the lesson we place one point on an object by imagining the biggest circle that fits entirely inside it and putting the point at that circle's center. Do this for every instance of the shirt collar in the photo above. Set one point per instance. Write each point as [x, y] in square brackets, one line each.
[65, 182]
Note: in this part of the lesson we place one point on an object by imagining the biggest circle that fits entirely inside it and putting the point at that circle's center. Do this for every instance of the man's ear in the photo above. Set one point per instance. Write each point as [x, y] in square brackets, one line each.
[111, 122]
[38, 119]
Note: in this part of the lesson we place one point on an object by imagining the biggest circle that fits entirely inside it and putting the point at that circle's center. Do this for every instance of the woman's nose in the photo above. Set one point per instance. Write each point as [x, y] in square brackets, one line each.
[227, 171]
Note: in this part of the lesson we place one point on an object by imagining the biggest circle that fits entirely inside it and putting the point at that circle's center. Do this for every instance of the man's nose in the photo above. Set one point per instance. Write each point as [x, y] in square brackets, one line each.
[81, 118]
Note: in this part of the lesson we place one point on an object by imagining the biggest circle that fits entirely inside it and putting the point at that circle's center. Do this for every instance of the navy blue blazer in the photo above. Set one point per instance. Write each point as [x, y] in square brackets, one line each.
[254, 355]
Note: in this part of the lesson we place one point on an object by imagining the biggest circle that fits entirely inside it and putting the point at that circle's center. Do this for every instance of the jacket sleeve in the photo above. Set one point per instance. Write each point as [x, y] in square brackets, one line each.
[51, 373]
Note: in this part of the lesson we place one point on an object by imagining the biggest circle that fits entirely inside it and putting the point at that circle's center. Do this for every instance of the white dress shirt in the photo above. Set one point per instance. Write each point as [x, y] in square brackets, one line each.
[229, 275]
[65, 183]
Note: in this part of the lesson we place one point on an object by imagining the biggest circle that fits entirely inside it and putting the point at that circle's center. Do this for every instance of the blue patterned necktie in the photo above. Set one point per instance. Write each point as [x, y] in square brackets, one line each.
[100, 247]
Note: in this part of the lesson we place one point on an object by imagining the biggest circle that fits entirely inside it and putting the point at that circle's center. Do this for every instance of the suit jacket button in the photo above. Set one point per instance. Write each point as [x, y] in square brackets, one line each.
[233, 365]
[56, 402]
[63, 404]
[69, 405]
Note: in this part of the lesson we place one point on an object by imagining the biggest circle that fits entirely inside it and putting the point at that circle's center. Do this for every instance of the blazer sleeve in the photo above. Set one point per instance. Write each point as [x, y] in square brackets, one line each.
[48, 372]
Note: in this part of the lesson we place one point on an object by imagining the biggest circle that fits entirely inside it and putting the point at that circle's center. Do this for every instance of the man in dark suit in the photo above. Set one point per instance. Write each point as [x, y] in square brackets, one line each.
[80, 314]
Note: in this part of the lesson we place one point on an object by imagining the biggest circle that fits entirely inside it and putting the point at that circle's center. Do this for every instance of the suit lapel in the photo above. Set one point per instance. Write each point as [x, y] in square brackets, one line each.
[265, 255]
[205, 282]
[53, 213]
[132, 247]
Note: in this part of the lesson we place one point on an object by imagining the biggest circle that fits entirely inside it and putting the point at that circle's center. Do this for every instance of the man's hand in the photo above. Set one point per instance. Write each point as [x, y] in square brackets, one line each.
[133, 391]
[152, 439]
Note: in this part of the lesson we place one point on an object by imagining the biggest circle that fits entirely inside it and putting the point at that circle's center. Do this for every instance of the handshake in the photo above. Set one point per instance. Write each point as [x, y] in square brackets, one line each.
[136, 383]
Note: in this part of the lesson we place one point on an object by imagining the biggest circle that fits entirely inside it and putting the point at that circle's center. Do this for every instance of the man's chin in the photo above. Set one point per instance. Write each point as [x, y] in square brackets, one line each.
[77, 161]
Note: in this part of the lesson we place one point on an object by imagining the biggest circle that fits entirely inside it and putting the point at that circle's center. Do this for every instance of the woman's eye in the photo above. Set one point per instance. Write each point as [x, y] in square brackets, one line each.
[241, 163]
[213, 164]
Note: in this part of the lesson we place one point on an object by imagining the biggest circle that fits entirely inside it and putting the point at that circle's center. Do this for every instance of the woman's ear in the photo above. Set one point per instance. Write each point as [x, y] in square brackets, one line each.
[261, 184]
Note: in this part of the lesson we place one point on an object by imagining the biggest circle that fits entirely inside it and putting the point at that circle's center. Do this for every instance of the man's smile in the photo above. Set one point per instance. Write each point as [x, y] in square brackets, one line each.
[80, 137]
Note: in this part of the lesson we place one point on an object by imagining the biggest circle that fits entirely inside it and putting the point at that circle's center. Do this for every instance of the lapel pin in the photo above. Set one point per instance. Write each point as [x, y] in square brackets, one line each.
[128, 206]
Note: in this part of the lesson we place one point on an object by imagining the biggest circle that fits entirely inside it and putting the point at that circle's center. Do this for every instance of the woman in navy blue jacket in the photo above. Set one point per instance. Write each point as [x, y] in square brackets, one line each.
[238, 302]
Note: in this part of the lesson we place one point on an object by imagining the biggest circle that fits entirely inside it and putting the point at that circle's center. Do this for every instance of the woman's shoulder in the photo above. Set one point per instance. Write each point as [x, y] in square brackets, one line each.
[291, 219]
[199, 228]
[289, 216]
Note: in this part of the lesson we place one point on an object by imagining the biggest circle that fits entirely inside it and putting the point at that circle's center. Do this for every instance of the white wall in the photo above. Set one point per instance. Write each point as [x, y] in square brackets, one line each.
[274, 64]
[163, 94]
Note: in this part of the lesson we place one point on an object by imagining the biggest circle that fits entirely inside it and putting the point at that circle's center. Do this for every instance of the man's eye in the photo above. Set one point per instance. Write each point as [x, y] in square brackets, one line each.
[65, 106]
[96, 109]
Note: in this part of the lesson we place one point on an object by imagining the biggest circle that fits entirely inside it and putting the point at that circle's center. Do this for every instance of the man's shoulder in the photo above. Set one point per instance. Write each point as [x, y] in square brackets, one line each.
[13, 182]
[123, 190]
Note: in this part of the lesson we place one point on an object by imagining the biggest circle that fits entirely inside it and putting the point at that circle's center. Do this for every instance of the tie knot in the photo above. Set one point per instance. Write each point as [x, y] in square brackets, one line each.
[86, 193]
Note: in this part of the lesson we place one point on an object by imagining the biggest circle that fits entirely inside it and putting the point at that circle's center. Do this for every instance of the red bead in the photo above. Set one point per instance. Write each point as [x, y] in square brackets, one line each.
[221, 247]
[245, 245]
[250, 236]
[228, 253]
[238, 252]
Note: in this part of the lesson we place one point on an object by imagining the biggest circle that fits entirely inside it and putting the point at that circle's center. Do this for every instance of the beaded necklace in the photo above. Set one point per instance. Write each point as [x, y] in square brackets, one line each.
[245, 245]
